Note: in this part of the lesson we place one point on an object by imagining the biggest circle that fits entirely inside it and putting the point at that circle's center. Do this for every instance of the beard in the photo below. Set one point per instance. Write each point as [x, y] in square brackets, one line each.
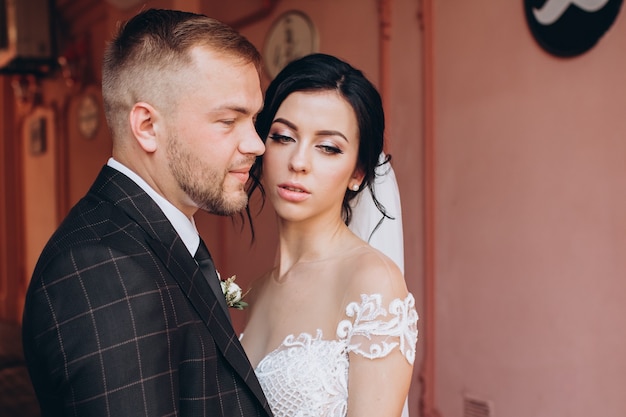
[203, 184]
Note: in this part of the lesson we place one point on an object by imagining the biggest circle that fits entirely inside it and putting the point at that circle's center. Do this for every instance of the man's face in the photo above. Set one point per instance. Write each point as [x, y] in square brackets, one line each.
[212, 142]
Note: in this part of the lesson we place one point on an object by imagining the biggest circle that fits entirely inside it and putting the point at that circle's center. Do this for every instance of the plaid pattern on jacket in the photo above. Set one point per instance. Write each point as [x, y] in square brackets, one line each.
[119, 320]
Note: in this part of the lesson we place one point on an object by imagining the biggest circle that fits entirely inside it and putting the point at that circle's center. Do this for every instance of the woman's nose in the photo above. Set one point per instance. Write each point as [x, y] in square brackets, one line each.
[299, 160]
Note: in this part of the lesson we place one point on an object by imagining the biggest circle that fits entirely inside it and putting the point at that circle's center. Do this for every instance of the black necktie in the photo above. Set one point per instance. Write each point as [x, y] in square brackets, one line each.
[203, 257]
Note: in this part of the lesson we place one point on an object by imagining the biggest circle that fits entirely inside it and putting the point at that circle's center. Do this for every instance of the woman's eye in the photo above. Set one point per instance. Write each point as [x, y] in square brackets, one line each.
[280, 138]
[330, 149]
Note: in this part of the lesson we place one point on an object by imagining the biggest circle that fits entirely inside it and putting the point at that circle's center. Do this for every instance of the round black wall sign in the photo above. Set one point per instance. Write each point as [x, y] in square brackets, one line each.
[570, 27]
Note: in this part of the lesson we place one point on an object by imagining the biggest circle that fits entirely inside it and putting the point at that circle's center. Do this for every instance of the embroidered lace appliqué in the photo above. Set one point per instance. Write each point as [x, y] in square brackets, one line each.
[307, 376]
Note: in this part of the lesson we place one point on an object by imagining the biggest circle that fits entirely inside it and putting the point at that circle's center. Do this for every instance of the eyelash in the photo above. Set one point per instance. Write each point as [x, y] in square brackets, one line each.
[331, 150]
[280, 138]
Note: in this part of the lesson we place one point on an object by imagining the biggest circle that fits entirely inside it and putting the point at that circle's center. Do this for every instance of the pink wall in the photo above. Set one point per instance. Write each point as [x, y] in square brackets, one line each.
[39, 189]
[531, 231]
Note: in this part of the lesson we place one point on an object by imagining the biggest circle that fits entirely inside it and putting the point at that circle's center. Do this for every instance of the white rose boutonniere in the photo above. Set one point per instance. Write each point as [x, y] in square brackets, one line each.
[233, 293]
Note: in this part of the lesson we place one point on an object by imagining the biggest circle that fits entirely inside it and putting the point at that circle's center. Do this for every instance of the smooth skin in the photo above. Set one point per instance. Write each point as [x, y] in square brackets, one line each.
[309, 163]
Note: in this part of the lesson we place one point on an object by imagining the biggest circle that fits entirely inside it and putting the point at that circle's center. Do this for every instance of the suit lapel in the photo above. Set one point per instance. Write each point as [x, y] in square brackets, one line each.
[196, 288]
[167, 245]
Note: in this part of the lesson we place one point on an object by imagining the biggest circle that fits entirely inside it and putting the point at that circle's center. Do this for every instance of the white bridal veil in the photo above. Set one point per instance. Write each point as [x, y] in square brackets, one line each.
[388, 237]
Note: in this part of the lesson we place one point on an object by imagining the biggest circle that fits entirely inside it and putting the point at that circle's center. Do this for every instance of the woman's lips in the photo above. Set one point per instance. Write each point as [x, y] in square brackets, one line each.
[293, 192]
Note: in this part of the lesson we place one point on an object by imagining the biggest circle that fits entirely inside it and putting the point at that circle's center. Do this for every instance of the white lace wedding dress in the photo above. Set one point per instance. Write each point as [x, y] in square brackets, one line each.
[307, 376]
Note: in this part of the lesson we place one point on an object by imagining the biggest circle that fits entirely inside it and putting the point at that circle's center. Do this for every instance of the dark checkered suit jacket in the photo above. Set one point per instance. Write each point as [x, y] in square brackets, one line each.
[119, 321]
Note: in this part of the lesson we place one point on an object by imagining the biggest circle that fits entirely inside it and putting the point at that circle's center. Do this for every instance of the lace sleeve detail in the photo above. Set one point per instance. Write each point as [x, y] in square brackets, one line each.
[375, 332]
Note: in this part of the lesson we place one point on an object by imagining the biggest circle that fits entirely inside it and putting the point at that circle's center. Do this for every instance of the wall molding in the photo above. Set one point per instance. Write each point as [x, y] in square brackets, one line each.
[428, 407]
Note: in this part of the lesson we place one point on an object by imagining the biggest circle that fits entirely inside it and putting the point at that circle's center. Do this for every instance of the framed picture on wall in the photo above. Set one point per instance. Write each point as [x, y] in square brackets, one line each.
[38, 130]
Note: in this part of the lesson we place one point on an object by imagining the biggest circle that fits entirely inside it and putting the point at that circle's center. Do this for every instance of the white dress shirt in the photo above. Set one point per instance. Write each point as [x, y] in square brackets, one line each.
[184, 226]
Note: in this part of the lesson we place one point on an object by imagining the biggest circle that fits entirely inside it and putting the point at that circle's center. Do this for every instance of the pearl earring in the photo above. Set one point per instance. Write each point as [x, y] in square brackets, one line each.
[355, 187]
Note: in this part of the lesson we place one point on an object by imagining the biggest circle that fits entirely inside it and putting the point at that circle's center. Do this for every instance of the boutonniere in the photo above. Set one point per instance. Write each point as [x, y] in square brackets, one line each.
[233, 293]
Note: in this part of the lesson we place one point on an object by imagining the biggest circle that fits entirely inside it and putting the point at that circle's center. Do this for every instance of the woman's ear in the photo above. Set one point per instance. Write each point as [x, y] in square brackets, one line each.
[356, 179]
[143, 118]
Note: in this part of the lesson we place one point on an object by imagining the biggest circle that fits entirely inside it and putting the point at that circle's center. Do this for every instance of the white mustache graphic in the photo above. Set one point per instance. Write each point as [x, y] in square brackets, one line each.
[552, 10]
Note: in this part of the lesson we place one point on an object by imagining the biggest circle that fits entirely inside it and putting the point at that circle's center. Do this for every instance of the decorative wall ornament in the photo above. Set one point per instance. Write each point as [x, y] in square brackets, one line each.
[570, 27]
[292, 36]
[74, 63]
[88, 115]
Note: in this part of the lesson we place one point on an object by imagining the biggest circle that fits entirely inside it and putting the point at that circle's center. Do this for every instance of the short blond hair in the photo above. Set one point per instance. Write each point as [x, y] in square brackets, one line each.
[152, 50]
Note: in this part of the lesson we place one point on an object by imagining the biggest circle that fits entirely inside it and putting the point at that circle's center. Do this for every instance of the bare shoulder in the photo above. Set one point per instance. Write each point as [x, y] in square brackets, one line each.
[372, 272]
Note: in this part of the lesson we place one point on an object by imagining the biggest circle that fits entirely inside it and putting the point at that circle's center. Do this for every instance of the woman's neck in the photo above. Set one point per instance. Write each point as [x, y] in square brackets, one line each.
[305, 242]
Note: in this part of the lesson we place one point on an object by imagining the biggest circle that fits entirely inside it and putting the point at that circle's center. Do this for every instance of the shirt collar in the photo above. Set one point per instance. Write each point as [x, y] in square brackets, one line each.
[184, 226]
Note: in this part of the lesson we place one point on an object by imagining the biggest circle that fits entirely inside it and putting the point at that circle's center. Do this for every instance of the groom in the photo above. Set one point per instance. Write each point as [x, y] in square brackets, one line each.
[119, 319]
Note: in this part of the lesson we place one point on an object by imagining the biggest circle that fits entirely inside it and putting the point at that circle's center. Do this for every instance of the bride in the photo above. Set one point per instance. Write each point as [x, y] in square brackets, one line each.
[332, 328]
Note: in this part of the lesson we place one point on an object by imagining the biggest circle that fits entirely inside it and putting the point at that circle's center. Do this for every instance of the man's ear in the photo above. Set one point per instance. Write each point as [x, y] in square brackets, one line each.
[143, 119]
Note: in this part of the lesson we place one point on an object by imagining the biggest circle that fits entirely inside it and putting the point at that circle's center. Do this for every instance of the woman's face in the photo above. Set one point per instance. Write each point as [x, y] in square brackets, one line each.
[311, 155]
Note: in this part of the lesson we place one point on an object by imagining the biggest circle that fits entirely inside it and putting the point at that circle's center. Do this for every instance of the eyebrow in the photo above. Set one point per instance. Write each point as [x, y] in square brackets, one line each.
[318, 133]
[237, 109]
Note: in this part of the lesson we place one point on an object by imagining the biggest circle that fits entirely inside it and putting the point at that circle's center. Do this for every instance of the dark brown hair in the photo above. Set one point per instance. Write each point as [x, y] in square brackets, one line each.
[325, 72]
